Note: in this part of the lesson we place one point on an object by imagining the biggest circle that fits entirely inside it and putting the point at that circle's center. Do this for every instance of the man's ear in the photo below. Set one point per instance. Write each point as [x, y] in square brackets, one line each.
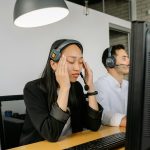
[53, 65]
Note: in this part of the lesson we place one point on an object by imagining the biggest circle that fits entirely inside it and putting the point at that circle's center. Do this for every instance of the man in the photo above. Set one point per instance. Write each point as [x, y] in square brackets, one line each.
[112, 88]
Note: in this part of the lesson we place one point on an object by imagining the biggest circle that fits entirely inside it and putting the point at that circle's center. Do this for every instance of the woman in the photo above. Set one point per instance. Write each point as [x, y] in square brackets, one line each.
[55, 103]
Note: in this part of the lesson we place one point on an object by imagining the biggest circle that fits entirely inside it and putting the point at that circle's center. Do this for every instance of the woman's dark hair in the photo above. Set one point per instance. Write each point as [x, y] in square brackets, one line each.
[49, 83]
[113, 52]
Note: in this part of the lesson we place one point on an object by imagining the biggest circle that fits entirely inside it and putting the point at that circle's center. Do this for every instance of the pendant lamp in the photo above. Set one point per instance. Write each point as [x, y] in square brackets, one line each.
[35, 13]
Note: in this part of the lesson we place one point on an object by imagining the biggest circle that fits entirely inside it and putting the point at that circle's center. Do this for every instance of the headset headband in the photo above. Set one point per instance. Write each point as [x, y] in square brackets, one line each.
[56, 53]
[68, 42]
[109, 51]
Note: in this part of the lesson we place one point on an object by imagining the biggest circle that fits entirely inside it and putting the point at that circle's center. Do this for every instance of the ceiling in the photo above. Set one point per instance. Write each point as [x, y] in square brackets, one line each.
[82, 2]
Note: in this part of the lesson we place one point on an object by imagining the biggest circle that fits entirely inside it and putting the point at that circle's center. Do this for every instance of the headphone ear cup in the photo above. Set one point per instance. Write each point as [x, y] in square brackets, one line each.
[55, 55]
[111, 62]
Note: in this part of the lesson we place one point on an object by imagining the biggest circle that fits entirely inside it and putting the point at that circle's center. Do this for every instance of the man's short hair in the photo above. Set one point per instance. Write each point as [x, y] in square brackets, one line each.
[113, 52]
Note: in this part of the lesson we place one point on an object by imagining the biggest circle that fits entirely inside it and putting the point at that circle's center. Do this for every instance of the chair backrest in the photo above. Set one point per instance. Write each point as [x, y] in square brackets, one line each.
[10, 128]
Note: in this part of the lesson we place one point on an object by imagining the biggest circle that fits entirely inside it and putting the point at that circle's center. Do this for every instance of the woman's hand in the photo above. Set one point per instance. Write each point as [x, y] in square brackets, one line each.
[61, 73]
[88, 76]
[89, 81]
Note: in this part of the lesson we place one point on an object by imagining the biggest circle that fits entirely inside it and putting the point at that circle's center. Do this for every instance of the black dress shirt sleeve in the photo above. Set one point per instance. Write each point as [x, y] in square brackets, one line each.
[48, 124]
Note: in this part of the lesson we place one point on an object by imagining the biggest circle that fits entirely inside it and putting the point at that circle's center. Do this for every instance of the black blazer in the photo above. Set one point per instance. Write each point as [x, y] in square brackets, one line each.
[40, 123]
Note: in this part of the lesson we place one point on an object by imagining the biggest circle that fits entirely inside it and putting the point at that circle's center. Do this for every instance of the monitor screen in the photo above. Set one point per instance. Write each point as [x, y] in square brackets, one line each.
[138, 111]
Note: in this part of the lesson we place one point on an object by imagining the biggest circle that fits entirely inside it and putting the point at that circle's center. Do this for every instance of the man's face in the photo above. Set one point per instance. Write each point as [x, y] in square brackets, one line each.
[122, 62]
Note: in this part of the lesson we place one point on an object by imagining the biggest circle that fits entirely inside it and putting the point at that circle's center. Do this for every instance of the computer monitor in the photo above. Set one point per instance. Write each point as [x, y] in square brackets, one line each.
[138, 111]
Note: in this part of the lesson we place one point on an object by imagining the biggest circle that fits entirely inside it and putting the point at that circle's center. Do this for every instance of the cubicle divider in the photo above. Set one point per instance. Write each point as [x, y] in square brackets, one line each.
[6, 123]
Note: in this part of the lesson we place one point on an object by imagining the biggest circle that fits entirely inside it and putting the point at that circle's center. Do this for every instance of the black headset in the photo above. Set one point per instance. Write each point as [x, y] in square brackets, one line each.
[110, 60]
[55, 54]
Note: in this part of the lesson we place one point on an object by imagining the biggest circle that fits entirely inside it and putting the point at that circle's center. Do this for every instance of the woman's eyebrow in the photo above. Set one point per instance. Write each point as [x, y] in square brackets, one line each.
[75, 56]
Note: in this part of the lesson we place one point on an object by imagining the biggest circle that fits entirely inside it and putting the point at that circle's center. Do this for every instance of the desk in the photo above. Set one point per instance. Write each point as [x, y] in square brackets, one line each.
[72, 140]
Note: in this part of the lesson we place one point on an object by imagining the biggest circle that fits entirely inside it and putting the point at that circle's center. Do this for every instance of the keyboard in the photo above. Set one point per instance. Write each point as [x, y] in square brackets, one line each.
[105, 143]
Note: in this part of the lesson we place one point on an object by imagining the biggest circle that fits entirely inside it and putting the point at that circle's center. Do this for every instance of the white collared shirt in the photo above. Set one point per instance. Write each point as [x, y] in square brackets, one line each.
[113, 97]
[67, 130]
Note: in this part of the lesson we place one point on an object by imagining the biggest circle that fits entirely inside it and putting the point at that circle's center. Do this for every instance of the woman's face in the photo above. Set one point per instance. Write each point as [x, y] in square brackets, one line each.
[74, 58]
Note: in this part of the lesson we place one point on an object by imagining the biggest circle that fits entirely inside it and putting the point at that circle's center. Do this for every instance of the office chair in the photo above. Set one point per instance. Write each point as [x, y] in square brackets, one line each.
[10, 128]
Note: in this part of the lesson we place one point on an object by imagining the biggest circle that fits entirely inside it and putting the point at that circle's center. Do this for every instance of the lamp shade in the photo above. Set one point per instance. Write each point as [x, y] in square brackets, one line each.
[35, 13]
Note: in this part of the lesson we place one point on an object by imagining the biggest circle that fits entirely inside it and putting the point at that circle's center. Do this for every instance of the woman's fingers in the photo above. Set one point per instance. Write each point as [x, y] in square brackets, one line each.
[61, 65]
[62, 75]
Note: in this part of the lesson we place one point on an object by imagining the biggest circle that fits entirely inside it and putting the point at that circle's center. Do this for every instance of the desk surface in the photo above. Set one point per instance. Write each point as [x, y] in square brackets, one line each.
[72, 140]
